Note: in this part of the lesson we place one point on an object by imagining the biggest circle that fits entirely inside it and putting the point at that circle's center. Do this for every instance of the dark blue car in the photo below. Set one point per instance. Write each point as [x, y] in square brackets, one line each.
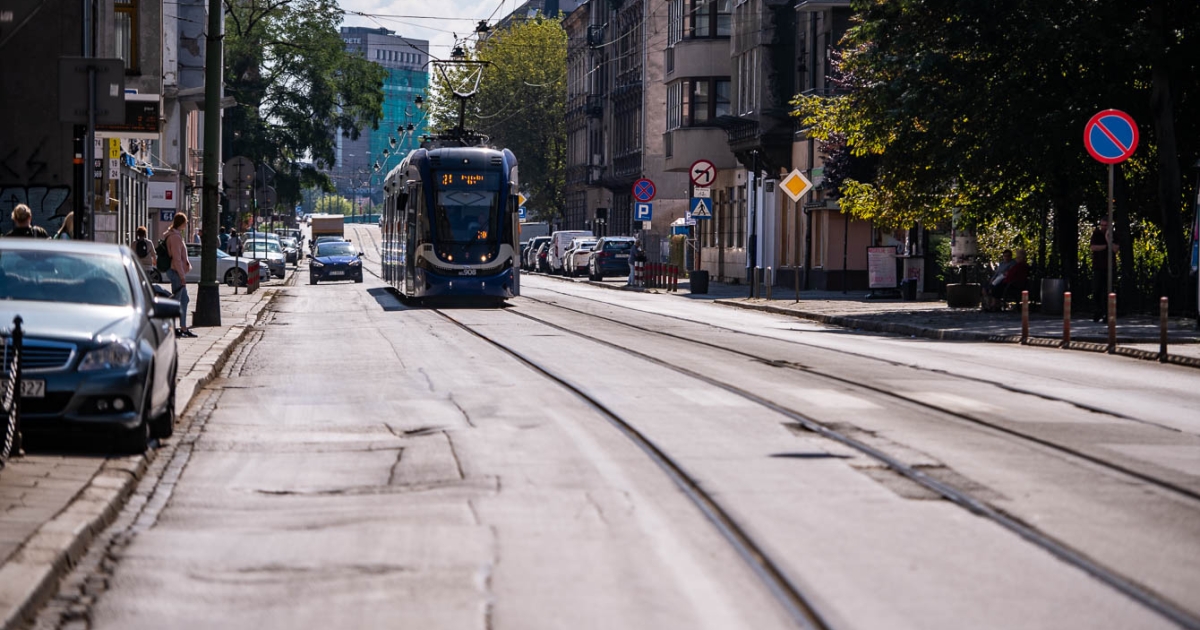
[337, 260]
[610, 257]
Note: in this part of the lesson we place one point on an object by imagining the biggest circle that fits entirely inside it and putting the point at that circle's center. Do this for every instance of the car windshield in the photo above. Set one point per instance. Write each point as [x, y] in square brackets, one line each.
[287, 242]
[335, 249]
[622, 246]
[263, 246]
[47, 276]
[585, 245]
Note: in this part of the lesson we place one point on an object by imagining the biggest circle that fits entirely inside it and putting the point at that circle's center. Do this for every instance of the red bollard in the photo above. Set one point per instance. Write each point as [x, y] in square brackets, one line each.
[1112, 323]
[1024, 316]
[1066, 342]
[1162, 330]
[674, 279]
[639, 271]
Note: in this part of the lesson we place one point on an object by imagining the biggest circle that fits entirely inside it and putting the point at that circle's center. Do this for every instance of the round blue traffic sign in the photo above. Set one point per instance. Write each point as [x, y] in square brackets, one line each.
[643, 190]
[1111, 136]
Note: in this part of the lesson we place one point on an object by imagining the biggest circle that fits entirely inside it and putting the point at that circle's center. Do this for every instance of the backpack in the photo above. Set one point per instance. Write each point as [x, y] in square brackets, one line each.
[142, 248]
[163, 263]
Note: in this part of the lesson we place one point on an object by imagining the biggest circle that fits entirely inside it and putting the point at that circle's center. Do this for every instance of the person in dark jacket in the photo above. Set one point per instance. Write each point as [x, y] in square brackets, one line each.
[23, 224]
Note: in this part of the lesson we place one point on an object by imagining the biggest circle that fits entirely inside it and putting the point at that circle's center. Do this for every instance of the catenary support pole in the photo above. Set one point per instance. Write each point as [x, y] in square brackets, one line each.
[208, 298]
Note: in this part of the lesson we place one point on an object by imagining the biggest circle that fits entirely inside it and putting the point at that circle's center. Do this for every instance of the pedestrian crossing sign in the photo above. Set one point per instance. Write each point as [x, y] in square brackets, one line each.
[701, 208]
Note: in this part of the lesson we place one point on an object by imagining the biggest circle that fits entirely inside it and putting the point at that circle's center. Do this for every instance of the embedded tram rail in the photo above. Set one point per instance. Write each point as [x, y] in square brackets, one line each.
[964, 498]
[792, 598]
[797, 605]
[1182, 491]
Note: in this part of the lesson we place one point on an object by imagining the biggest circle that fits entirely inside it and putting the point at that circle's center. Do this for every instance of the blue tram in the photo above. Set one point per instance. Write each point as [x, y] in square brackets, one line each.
[450, 224]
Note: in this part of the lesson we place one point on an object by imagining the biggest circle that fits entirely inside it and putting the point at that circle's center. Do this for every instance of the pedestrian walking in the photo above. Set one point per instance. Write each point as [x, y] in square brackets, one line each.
[23, 225]
[234, 246]
[198, 237]
[144, 249]
[67, 229]
[1101, 246]
[180, 266]
[223, 236]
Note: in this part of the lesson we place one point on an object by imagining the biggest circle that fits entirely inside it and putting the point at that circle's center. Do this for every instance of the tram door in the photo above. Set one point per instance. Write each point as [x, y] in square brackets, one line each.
[412, 200]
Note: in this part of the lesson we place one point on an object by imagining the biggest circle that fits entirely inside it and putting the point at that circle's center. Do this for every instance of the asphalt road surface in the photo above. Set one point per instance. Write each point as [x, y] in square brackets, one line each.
[589, 458]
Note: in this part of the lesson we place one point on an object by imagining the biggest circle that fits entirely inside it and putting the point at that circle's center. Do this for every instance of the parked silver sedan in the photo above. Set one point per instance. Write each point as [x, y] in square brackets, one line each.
[99, 351]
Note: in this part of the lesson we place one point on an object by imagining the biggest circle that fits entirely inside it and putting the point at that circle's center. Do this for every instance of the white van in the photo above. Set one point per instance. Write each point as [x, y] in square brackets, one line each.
[559, 242]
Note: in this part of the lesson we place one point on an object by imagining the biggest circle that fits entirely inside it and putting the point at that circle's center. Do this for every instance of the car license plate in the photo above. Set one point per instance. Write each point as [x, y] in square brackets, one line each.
[622, 256]
[33, 389]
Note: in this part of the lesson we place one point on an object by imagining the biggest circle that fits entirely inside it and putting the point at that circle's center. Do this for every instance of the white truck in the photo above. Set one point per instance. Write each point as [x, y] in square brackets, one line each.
[531, 230]
[326, 225]
[559, 242]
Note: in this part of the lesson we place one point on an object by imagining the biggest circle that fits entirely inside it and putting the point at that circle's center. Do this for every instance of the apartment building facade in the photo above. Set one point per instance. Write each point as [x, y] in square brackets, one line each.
[729, 70]
[615, 120]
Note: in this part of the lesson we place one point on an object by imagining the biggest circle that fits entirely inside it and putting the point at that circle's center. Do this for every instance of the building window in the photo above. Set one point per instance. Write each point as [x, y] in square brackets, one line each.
[707, 18]
[126, 33]
[697, 102]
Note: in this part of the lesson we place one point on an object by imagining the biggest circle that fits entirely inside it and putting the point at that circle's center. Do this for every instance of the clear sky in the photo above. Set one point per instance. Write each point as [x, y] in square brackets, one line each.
[437, 21]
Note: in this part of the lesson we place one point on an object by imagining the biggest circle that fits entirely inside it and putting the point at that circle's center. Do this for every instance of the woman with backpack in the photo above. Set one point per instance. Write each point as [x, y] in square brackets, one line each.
[144, 250]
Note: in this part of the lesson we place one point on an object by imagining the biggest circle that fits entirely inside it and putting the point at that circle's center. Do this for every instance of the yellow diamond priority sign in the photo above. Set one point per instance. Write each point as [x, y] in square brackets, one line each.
[795, 185]
[521, 199]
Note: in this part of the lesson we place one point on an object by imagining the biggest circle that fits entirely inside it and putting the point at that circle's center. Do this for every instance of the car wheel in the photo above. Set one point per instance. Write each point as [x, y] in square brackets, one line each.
[155, 275]
[163, 426]
[235, 277]
[134, 441]
[358, 279]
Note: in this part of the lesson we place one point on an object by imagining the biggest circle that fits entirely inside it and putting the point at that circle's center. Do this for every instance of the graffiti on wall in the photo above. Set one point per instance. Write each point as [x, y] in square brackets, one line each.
[46, 202]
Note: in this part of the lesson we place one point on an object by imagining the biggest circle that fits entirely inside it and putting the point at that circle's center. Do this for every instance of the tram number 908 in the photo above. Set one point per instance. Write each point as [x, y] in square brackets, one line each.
[467, 272]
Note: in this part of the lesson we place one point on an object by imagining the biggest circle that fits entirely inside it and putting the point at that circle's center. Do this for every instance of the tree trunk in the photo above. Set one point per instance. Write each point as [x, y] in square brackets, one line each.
[1066, 236]
[1170, 194]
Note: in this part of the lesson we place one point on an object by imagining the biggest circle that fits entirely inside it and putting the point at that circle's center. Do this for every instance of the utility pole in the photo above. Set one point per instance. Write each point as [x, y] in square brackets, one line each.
[208, 300]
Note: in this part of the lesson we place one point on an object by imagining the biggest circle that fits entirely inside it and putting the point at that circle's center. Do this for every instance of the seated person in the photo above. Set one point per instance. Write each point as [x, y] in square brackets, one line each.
[1010, 284]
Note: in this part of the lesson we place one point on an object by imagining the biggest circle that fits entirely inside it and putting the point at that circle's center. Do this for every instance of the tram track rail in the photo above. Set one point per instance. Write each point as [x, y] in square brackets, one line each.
[1161, 484]
[798, 606]
[957, 496]
[794, 601]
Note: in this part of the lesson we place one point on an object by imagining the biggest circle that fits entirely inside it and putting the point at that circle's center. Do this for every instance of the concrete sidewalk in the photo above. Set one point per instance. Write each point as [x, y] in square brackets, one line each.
[1137, 335]
[53, 503]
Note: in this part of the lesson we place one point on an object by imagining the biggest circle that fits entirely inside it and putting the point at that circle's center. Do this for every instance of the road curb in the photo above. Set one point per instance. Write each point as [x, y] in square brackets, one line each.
[844, 321]
[31, 575]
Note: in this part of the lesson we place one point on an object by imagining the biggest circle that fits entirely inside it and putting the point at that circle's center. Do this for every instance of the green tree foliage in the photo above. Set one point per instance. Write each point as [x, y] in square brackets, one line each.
[520, 105]
[333, 204]
[296, 87]
[981, 106]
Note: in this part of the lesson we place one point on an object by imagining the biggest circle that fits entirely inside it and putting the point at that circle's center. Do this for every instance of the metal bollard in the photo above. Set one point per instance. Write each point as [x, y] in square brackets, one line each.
[770, 278]
[754, 292]
[796, 271]
[674, 279]
[1024, 316]
[1066, 342]
[1162, 330]
[639, 268]
[1112, 323]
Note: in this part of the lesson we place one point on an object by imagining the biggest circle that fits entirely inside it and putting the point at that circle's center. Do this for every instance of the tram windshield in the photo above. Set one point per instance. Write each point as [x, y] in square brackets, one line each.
[466, 216]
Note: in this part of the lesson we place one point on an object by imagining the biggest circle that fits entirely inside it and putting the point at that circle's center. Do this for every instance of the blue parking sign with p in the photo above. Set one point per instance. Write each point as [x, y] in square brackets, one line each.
[643, 212]
[521, 213]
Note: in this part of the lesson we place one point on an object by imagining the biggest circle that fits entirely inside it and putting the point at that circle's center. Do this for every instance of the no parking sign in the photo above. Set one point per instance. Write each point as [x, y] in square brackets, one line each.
[1111, 136]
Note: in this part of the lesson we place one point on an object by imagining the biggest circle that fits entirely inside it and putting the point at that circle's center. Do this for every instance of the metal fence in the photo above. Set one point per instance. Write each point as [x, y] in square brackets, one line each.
[10, 391]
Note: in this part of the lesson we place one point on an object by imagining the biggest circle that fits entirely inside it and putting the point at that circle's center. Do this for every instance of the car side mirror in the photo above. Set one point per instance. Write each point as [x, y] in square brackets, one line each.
[308, 256]
[166, 308]
[360, 254]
